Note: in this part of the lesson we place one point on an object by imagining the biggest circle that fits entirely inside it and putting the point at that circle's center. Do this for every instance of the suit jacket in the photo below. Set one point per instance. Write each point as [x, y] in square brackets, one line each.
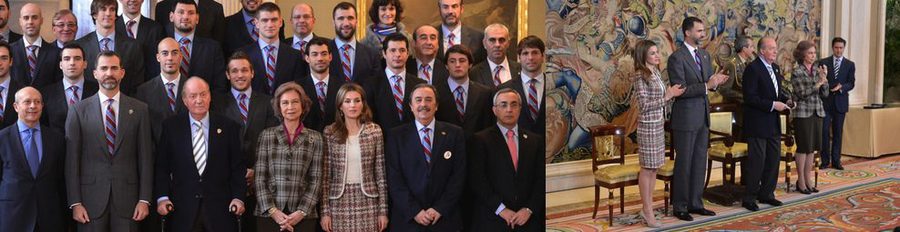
[380, 98]
[9, 112]
[289, 176]
[212, 18]
[495, 180]
[207, 61]
[366, 62]
[471, 38]
[27, 200]
[260, 116]
[287, 66]
[478, 107]
[805, 94]
[317, 119]
[47, 64]
[760, 118]
[290, 40]
[153, 93]
[149, 33]
[222, 180]
[483, 74]
[56, 104]
[13, 37]
[130, 53]
[839, 101]
[415, 185]
[373, 185]
[439, 72]
[525, 120]
[93, 176]
[690, 110]
[236, 39]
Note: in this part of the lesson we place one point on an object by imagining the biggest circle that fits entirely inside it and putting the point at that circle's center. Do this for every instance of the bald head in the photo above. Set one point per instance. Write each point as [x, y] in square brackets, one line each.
[303, 19]
[30, 19]
[169, 57]
[768, 49]
[29, 105]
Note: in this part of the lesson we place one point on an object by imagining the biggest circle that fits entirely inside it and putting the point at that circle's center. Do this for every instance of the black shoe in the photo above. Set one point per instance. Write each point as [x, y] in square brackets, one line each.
[771, 202]
[803, 191]
[815, 190]
[823, 166]
[838, 167]
[750, 206]
[701, 211]
[684, 216]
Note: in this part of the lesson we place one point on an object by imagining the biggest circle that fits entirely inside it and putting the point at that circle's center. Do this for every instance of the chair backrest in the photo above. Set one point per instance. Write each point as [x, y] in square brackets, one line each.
[721, 120]
[608, 143]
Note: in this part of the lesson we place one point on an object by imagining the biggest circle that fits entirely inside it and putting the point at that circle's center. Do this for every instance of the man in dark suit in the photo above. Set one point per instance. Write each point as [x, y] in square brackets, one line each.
[7, 35]
[161, 94]
[691, 67]
[274, 62]
[321, 81]
[65, 27]
[105, 38]
[8, 88]
[61, 95]
[201, 56]
[38, 59]
[841, 81]
[426, 166]
[356, 61]
[508, 178]
[452, 32]
[303, 19]
[236, 39]
[200, 169]
[424, 62]
[147, 32]
[496, 69]
[32, 188]
[530, 84]
[109, 126]
[388, 92]
[211, 20]
[464, 102]
[764, 97]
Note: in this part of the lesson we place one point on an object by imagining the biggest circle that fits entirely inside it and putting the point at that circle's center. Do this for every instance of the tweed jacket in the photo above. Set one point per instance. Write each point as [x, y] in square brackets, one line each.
[371, 142]
[288, 177]
[806, 95]
[651, 98]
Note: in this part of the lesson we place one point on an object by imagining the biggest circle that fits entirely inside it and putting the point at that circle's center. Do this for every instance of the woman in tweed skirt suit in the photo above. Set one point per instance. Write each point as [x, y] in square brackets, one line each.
[653, 97]
[355, 191]
[288, 166]
[809, 88]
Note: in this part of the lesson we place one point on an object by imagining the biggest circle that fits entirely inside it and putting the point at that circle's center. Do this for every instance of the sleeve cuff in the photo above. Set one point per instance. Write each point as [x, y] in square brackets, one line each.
[161, 199]
[73, 205]
[500, 209]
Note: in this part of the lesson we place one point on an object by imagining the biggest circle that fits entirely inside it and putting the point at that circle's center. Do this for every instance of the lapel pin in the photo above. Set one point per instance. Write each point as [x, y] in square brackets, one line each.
[130, 111]
[444, 133]
[447, 155]
[525, 136]
[219, 131]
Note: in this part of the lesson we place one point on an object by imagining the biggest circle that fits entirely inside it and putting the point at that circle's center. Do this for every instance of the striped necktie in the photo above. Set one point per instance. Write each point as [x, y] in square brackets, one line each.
[254, 33]
[497, 75]
[110, 126]
[242, 104]
[185, 56]
[837, 67]
[460, 102]
[320, 95]
[426, 144]
[270, 67]
[346, 63]
[74, 95]
[104, 45]
[170, 94]
[2, 103]
[32, 62]
[129, 27]
[398, 95]
[199, 147]
[426, 72]
[532, 99]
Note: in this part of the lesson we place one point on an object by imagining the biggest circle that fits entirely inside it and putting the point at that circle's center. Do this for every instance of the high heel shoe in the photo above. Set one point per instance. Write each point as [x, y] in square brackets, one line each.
[813, 189]
[651, 225]
[803, 191]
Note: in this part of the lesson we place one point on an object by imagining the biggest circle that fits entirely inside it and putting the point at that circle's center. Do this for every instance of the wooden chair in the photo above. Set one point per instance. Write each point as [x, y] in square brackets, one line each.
[667, 171]
[608, 165]
[723, 147]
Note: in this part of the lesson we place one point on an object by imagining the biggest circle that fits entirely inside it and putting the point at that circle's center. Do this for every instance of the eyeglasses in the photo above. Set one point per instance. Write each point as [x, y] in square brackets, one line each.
[64, 25]
[504, 105]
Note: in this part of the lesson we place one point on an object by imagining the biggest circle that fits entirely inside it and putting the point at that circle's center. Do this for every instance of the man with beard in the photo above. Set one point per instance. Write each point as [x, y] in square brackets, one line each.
[497, 69]
[452, 32]
[274, 62]
[530, 84]
[303, 18]
[6, 35]
[244, 19]
[40, 59]
[426, 168]
[197, 51]
[161, 94]
[65, 27]
[147, 32]
[106, 195]
[424, 61]
[211, 23]
[73, 87]
[388, 91]
[321, 81]
[105, 38]
[8, 87]
[465, 101]
[357, 61]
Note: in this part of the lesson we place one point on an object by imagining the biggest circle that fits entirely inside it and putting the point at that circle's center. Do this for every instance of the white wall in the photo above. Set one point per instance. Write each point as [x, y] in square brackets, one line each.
[861, 23]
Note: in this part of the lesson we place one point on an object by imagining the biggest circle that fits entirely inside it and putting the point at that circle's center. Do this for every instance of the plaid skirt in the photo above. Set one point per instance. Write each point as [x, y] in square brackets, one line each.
[354, 211]
[651, 139]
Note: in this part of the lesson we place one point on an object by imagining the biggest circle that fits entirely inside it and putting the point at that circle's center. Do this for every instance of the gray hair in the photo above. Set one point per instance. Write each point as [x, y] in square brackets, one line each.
[505, 90]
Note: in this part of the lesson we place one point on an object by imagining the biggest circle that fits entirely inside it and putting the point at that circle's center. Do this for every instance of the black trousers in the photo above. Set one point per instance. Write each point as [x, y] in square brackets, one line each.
[832, 133]
[760, 169]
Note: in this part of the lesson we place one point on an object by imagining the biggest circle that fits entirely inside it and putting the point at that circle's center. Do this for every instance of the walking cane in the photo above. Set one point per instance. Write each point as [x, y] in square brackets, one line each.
[170, 208]
[238, 217]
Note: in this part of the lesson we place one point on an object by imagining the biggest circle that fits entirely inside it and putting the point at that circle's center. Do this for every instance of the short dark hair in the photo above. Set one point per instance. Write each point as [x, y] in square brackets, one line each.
[838, 40]
[7, 3]
[395, 37]
[186, 2]
[8, 48]
[459, 49]
[800, 51]
[740, 43]
[72, 46]
[416, 31]
[267, 7]
[688, 23]
[343, 6]
[530, 42]
[108, 54]
[238, 55]
[318, 41]
[96, 5]
[373, 11]
[426, 86]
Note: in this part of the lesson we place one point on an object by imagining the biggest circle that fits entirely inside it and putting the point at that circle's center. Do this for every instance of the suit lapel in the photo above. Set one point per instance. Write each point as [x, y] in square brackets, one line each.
[48, 156]
[18, 149]
[124, 123]
[500, 139]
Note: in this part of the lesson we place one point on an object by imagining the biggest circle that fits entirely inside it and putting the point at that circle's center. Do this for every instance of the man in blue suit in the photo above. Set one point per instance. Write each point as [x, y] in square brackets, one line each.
[201, 56]
[841, 79]
[274, 62]
[426, 172]
[32, 188]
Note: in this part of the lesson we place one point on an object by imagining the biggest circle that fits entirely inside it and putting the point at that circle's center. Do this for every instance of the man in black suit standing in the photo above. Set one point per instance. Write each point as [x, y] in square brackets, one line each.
[388, 92]
[8, 88]
[496, 69]
[690, 66]
[303, 19]
[464, 102]
[65, 27]
[31, 176]
[452, 32]
[244, 18]
[38, 59]
[530, 84]
[6, 35]
[274, 62]
[105, 38]
[424, 61]
[73, 87]
[211, 20]
[355, 61]
[147, 32]
[162, 92]
[841, 81]
[323, 82]
[201, 56]
[764, 97]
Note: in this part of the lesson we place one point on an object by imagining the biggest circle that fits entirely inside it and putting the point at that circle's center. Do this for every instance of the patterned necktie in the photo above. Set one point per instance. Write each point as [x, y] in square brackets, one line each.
[31, 151]
[346, 64]
[3, 38]
[513, 151]
[426, 72]
[254, 33]
[497, 75]
[320, 95]
[532, 99]
[697, 60]
[774, 79]
[460, 102]
[426, 144]
[398, 95]
[270, 67]
[129, 27]
[170, 93]
[837, 67]
[110, 126]
[301, 46]
[2, 103]
[185, 56]
[242, 104]
[104, 45]
[74, 95]
[199, 146]
[32, 62]
[451, 39]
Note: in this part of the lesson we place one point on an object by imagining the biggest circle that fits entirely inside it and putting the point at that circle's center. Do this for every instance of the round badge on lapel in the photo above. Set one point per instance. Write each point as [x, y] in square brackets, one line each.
[447, 155]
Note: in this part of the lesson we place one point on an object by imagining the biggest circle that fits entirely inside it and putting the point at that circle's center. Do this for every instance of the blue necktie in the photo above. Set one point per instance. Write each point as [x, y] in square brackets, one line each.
[31, 152]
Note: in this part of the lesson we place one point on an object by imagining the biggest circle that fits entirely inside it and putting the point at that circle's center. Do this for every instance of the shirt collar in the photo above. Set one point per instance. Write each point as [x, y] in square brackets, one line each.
[78, 82]
[175, 81]
[60, 44]
[430, 64]
[5, 83]
[526, 78]
[315, 80]
[247, 16]
[453, 85]
[37, 42]
[766, 63]
[689, 47]
[505, 64]
[103, 97]
[203, 121]
[503, 130]
[389, 73]
[340, 43]
[263, 44]
[111, 37]
[419, 125]
[125, 19]
[456, 31]
[305, 39]
[189, 36]
[23, 127]
[236, 93]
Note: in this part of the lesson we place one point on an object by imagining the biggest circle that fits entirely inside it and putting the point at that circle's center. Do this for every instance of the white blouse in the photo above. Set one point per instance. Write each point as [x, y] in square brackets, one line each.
[353, 167]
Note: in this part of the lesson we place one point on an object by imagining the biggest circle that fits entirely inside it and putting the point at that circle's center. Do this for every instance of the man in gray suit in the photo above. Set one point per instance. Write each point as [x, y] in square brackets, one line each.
[109, 164]
[105, 38]
[691, 67]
